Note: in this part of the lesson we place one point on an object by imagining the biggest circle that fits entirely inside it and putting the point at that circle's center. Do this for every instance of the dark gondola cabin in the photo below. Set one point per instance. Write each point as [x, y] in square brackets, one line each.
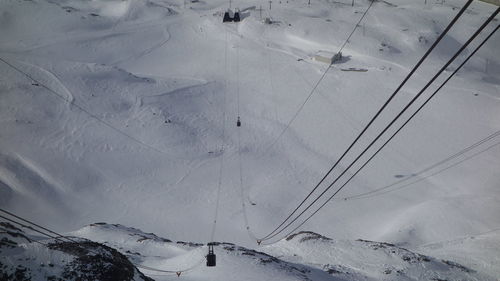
[211, 256]
[236, 17]
[227, 17]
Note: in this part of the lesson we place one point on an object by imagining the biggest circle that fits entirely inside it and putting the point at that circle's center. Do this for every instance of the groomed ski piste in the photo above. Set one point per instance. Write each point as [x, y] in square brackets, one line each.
[125, 112]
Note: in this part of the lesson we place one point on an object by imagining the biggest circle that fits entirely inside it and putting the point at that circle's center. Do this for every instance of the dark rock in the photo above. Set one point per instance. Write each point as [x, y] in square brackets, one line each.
[458, 266]
[95, 261]
[308, 235]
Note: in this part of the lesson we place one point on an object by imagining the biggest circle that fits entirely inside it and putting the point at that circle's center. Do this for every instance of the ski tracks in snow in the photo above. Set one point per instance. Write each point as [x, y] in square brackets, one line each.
[166, 34]
[52, 81]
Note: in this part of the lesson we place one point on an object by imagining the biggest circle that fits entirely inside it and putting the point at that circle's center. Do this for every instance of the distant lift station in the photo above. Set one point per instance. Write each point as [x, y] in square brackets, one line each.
[234, 18]
[327, 57]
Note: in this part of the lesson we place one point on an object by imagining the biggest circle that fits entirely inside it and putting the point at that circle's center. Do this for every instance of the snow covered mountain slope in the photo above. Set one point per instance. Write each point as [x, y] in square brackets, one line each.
[233, 262]
[25, 257]
[479, 251]
[121, 111]
[368, 260]
[303, 256]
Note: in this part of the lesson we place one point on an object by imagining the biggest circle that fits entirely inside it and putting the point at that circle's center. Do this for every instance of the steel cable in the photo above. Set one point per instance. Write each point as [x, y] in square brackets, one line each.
[402, 126]
[445, 31]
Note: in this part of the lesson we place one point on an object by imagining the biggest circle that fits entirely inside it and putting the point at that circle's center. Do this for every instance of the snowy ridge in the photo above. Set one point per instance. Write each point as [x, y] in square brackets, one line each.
[26, 257]
[302, 256]
[111, 110]
[368, 260]
[149, 250]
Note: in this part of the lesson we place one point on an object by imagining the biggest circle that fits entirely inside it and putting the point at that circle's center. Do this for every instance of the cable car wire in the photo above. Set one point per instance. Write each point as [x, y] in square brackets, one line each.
[240, 161]
[107, 125]
[223, 136]
[428, 99]
[425, 177]
[97, 118]
[59, 236]
[297, 112]
[470, 236]
[269, 61]
[397, 117]
[62, 238]
[238, 76]
[313, 90]
[356, 26]
[36, 225]
[402, 126]
[377, 192]
[242, 191]
[31, 228]
[445, 31]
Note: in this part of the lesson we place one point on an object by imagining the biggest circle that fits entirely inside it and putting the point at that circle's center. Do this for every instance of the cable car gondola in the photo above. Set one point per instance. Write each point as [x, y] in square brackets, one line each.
[211, 258]
[227, 17]
[236, 17]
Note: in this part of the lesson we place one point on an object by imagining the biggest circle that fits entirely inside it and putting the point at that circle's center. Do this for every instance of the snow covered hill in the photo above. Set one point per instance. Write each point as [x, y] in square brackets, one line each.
[121, 111]
[24, 257]
[303, 256]
[368, 260]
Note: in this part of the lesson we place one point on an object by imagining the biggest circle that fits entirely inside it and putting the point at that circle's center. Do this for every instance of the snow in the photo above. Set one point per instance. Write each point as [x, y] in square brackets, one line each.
[233, 262]
[30, 257]
[367, 260]
[304, 256]
[154, 77]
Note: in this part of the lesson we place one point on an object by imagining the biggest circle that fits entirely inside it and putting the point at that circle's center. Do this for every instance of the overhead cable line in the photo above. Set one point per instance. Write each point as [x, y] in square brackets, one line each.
[169, 272]
[42, 230]
[445, 31]
[62, 238]
[223, 136]
[402, 126]
[28, 227]
[36, 225]
[470, 236]
[397, 117]
[425, 103]
[238, 125]
[269, 61]
[240, 161]
[376, 193]
[242, 191]
[33, 227]
[356, 26]
[384, 189]
[238, 76]
[107, 124]
[313, 90]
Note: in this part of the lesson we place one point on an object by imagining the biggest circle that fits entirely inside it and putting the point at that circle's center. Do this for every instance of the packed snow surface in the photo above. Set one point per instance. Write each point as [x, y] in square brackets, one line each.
[302, 256]
[121, 111]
